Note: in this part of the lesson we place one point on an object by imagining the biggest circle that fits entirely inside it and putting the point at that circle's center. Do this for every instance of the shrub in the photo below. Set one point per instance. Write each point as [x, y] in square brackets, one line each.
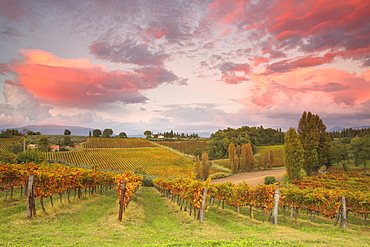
[219, 175]
[148, 180]
[270, 180]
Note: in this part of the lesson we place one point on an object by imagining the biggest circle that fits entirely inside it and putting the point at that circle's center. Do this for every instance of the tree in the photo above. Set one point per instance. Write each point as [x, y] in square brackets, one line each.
[122, 135]
[15, 148]
[316, 142]
[107, 133]
[67, 141]
[232, 154]
[340, 154]
[206, 166]
[148, 133]
[43, 144]
[197, 168]
[67, 132]
[33, 133]
[249, 157]
[96, 132]
[360, 148]
[294, 155]
[217, 146]
[198, 153]
[268, 159]
[6, 157]
[31, 156]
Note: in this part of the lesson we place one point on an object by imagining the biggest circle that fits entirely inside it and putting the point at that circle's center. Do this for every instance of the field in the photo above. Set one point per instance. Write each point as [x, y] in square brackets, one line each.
[146, 160]
[5, 142]
[277, 151]
[116, 143]
[152, 220]
[186, 147]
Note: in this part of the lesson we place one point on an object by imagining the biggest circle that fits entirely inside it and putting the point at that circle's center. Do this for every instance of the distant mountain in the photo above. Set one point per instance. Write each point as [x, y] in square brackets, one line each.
[361, 127]
[56, 129]
[338, 128]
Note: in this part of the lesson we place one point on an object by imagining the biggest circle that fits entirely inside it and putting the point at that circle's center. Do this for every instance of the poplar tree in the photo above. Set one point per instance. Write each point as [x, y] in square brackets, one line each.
[243, 157]
[206, 166]
[249, 157]
[294, 155]
[316, 142]
[197, 168]
[231, 154]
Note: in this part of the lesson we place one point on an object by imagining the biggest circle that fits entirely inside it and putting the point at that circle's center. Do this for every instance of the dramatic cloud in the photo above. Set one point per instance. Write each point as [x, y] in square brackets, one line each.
[312, 87]
[234, 73]
[21, 107]
[127, 52]
[185, 64]
[78, 82]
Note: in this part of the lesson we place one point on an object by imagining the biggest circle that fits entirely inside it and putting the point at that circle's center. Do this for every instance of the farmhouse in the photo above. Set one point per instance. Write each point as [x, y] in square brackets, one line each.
[54, 148]
[158, 136]
[31, 146]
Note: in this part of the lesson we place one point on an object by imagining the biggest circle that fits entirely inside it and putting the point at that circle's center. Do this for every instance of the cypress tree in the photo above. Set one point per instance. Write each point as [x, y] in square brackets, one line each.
[294, 155]
[249, 157]
[231, 154]
[206, 166]
[316, 142]
[197, 168]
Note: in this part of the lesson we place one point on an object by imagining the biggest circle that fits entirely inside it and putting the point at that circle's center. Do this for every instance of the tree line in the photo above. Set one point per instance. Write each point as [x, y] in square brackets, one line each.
[349, 133]
[9, 133]
[107, 133]
[170, 135]
[217, 147]
[310, 148]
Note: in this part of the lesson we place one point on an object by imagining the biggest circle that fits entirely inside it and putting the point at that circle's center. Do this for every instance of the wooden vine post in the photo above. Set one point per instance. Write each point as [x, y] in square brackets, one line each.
[31, 208]
[343, 208]
[276, 206]
[203, 207]
[122, 200]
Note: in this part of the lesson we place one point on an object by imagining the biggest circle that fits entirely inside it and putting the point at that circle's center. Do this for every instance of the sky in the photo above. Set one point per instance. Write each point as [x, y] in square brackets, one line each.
[191, 66]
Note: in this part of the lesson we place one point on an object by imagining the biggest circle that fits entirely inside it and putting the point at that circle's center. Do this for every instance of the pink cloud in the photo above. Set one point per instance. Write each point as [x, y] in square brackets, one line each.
[311, 88]
[127, 52]
[325, 23]
[234, 73]
[228, 12]
[4, 69]
[78, 82]
[302, 62]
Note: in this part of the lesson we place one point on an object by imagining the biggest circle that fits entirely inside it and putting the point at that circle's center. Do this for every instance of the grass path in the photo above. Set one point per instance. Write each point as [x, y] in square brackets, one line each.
[152, 220]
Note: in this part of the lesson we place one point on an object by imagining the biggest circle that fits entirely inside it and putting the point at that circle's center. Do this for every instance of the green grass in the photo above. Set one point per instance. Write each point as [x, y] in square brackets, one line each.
[152, 220]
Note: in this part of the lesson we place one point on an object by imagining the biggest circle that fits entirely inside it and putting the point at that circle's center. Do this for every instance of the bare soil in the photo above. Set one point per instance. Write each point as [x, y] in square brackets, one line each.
[253, 178]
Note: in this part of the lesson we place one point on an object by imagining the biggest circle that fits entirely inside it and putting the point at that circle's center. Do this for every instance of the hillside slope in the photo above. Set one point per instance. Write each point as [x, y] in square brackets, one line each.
[152, 220]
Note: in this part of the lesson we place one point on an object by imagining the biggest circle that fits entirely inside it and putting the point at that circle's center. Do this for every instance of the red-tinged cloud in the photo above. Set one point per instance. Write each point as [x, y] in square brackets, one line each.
[309, 26]
[234, 73]
[259, 60]
[227, 12]
[69, 82]
[312, 88]
[314, 25]
[291, 64]
[4, 69]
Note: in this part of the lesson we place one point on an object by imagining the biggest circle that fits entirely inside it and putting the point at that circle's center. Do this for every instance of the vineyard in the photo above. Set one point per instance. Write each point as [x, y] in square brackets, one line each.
[117, 143]
[233, 214]
[6, 142]
[46, 180]
[151, 160]
[186, 147]
[317, 195]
